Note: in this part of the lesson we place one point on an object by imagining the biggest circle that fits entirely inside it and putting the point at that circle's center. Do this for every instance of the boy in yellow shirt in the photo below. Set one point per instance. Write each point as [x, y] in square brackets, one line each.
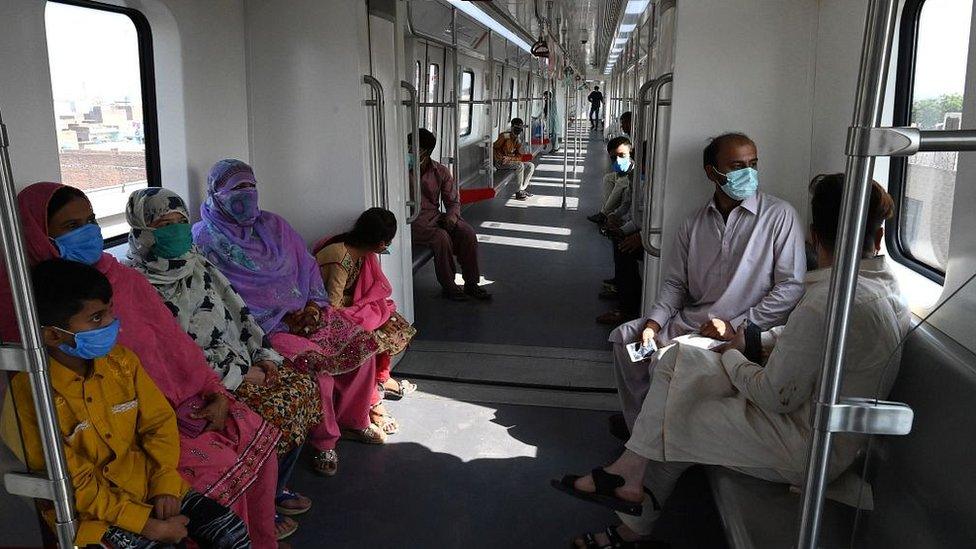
[119, 433]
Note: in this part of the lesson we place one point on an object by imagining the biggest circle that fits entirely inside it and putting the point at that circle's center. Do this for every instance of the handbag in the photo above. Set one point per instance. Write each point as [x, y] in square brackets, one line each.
[189, 426]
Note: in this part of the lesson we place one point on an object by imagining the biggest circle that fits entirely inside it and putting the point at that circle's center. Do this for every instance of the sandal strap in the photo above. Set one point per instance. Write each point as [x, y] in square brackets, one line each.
[606, 483]
[616, 541]
[590, 542]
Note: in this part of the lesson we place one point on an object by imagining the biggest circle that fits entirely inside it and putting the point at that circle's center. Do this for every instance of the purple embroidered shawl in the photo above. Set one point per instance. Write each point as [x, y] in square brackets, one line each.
[264, 258]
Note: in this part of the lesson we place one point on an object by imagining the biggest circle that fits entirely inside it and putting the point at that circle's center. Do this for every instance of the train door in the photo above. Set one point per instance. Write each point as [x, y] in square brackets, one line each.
[391, 79]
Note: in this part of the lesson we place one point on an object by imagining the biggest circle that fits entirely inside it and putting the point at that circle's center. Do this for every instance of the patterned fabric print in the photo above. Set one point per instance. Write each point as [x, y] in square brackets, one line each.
[293, 405]
[345, 346]
[352, 268]
[394, 336]
[238, 479]
[211, 525]
[199, 296]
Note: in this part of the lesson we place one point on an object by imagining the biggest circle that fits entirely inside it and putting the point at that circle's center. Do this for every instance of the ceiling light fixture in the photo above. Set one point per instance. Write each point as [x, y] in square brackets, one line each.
[490, 22]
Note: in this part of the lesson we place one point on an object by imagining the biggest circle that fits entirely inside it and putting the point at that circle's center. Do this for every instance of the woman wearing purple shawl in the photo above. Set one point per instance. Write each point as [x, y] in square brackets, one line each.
[267, 262]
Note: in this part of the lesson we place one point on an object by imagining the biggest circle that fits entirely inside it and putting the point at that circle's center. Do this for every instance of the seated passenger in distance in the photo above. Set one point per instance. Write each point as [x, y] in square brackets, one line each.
[121, 444]
[722, 409]
[214, 314]
[227, 452]
[617, 181]
[357, 286]
[740, 257]
[507, 155]
[267, 262]
[625, 122]
[444, 232]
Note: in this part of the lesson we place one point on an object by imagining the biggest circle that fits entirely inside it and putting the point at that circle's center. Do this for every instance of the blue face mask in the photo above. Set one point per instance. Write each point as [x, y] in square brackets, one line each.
[621, 165]
[740, 184]
[92, 343]
[83, 244]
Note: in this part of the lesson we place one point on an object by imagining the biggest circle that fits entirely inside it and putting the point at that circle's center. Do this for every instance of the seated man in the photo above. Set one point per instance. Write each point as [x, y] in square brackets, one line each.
[507, 155]
[739, 257]
[617, 181]
[445, 233]
[127, 490]
[722, 409]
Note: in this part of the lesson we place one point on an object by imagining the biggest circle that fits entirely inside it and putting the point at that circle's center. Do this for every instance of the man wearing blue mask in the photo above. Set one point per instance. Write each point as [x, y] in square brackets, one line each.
[738, 258]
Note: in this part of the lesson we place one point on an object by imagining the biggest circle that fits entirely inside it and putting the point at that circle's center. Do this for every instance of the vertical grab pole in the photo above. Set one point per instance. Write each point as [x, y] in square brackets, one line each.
[565, 145]
[58, 488]
[413, 201]
[875, 53]
[489, 135]
[576, 131]
[637, 129]
[381, 192]
[652, 123]
[456, 98]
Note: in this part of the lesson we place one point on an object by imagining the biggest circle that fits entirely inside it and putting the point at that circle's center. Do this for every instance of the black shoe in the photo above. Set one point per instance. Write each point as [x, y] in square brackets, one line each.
[618, 427]
[521, 195]
[477, 292]
[597, 218]
[454, 295]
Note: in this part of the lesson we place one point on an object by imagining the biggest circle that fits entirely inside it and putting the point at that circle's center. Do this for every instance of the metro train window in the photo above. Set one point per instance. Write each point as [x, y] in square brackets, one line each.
[467, 87]
[433, 83]
[928, 95]
[511, 95]
[104, 104]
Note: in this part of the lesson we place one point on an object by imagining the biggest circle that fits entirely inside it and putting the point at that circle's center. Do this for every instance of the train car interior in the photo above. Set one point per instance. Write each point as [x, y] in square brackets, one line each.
[520, 193]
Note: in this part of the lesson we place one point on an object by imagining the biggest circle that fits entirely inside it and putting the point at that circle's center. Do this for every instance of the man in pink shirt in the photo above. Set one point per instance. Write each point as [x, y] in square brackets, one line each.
[445, 232]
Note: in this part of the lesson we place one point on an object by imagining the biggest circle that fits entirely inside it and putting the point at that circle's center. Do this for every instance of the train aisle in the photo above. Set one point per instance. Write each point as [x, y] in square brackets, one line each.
[543, 265]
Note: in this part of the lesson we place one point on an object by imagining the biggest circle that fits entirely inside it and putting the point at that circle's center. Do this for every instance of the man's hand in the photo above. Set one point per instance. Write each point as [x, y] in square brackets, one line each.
[738, 343]
[651, 329]
[170, 531]
[717, 328]
[165, 507]
[215, 412]
[447, 222]
[631, 243]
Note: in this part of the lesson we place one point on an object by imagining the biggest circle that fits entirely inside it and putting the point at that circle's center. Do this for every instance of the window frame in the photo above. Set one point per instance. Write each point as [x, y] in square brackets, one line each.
[464, 132]
[147, 82]
[511, 95]
[905, 67]
[435, 70]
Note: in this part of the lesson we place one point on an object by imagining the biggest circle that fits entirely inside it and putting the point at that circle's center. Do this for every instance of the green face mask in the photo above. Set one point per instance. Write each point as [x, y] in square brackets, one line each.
[172, 241]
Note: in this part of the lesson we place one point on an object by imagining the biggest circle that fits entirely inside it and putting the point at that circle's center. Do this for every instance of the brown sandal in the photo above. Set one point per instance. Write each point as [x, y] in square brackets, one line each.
[370, 435]
[383, 420]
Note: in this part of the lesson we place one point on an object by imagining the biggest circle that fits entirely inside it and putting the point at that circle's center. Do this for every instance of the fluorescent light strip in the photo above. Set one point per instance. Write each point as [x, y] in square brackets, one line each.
[490, 22]
[636, 6]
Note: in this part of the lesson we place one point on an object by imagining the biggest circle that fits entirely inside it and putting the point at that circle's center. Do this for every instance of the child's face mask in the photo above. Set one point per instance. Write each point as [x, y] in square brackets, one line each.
[92, 343]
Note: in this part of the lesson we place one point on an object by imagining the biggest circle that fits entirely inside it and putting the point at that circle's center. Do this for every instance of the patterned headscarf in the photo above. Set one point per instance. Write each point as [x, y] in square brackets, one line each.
[199, 296]
[259, 252]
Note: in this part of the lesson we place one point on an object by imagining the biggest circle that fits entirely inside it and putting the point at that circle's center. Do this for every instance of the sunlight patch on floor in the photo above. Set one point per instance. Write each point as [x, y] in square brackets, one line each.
[557, 185]
[523, 242]
[555, 179]
[543, 201]
[540, 229]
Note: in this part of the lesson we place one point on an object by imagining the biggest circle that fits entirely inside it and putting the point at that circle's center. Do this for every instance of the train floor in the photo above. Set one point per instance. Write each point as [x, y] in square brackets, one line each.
[543, 265]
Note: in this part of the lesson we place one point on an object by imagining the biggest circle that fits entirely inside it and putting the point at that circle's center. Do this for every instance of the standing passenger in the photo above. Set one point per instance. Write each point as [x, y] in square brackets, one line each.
[267, 262]
[357, 286]
[596, 101]
[227, 452]
[507, 155]
[445, 233]
[213, 313]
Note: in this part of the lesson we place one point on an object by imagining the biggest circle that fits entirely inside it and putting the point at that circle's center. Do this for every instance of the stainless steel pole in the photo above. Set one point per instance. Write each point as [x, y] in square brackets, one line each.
[14, 253]
[875, 54]
[489, 134]
[565, 144]
[455, 97]
[576, 130]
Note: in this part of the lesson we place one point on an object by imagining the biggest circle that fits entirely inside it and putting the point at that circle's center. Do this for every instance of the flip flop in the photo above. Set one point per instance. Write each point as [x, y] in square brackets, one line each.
[405, 388]
[605, 484]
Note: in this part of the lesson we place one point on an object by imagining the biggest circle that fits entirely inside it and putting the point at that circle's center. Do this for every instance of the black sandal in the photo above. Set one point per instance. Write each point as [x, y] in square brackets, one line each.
[605, 484]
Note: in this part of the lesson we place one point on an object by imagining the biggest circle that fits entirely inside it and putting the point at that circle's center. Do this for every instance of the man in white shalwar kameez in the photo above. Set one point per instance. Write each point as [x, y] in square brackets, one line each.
[738, 258]
[719, 408]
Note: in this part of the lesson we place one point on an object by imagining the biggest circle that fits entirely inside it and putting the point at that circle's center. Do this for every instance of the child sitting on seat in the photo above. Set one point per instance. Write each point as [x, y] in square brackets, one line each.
[119, 434]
